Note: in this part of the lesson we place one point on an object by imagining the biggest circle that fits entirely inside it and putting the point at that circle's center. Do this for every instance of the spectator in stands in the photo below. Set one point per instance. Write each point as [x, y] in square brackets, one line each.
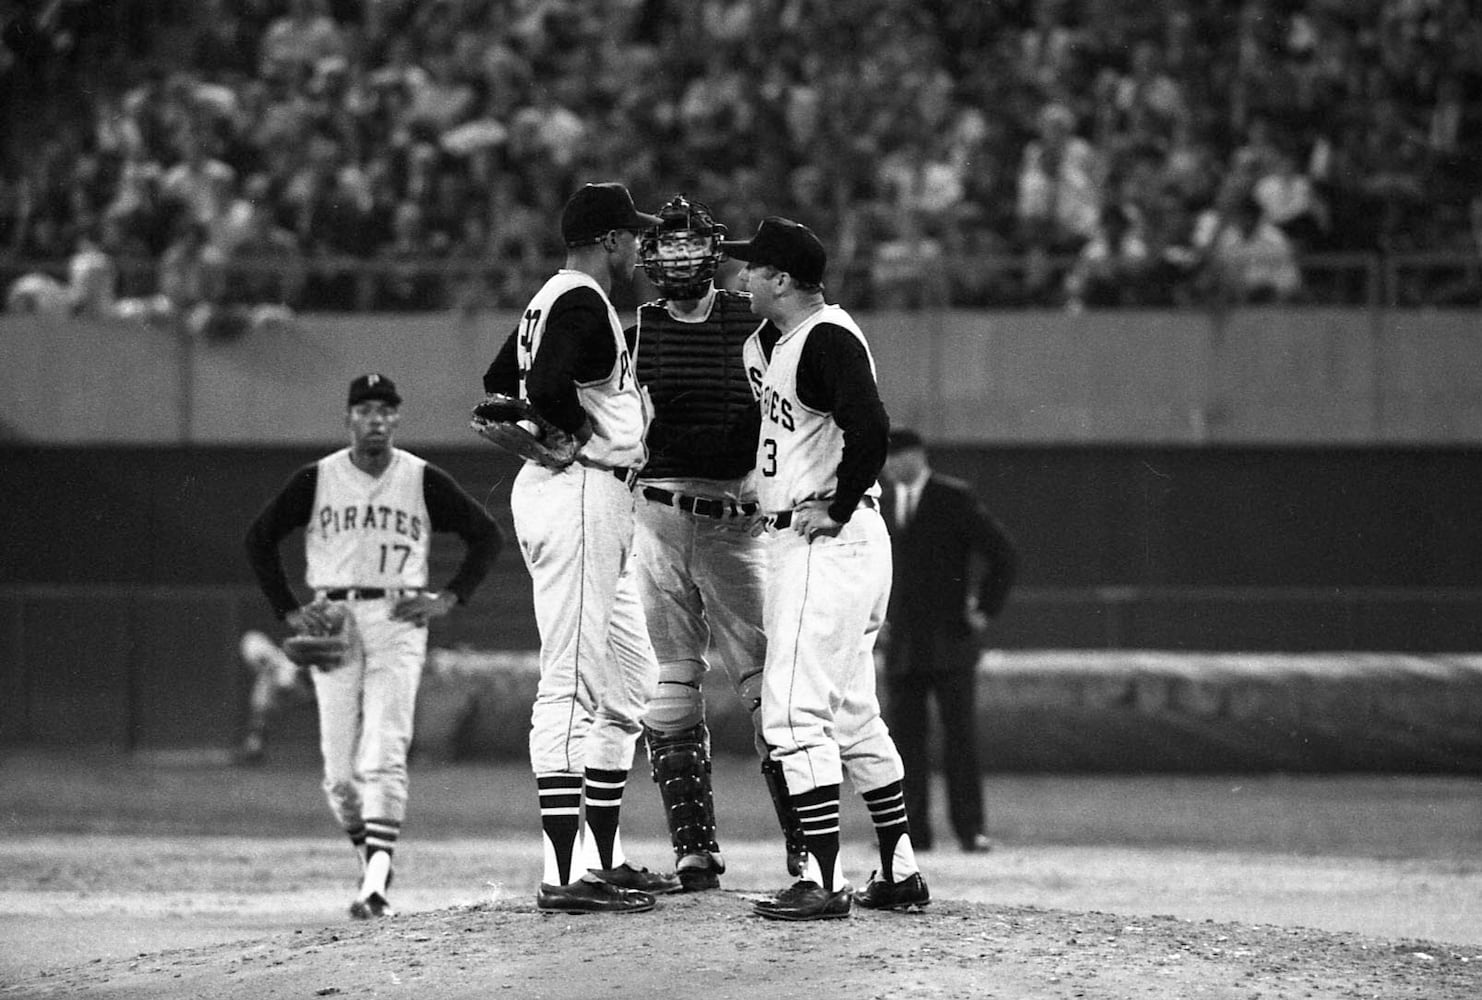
[297, 41]
[404, 280]
[1247, 258]
[1060, 193]
[186, 272]
[199, 183]
[469, 290]
[1112, 266]
[1288, 199]
[1382, 99]
[1147, 89]
[254, 285]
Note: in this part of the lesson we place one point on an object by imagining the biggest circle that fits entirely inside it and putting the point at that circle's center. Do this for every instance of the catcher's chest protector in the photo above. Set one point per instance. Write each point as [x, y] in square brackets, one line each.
[705, 415]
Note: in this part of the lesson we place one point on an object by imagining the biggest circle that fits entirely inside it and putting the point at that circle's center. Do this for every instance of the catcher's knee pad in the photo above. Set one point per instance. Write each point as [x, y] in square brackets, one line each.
[677, 705]
[681, 767]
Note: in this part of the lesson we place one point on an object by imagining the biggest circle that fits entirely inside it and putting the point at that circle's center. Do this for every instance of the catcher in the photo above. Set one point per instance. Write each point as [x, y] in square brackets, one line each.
[699, 567]
[368, 512]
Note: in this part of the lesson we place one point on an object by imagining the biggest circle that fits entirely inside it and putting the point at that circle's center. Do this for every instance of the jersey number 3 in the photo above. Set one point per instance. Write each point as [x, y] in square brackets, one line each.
[769, 457]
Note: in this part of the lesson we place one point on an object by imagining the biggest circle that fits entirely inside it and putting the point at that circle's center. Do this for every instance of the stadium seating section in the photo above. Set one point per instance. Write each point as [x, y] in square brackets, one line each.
[412, 154]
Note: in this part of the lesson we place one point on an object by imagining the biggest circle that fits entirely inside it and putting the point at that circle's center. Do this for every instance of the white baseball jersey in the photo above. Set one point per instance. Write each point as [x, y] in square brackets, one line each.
[799, 448]
[368, 531]
[614, 403]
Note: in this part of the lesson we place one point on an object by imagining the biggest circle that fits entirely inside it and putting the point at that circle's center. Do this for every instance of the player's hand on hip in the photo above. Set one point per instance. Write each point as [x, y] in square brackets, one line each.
[811, 519]
[422, 607]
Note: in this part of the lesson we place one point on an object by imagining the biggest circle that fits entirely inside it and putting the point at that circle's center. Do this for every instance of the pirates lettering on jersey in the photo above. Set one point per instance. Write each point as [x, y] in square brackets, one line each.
[369, 518]
[799, 449]
[777, 408]
[368, 531]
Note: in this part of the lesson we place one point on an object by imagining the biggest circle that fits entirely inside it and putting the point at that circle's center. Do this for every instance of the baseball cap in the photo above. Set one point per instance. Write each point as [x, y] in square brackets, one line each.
[374, 386]
[784, 244]
[596, 209]
[903, 439]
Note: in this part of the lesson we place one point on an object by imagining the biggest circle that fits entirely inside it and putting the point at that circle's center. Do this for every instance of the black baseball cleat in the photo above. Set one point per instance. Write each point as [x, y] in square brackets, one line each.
[630, 876]
[590, 895]
[805, 900]
[878, 894]
[700, 871]
[370, 907]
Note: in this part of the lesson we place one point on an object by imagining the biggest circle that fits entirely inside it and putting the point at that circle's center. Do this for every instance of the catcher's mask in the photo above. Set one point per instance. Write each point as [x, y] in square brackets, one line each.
[679, 255]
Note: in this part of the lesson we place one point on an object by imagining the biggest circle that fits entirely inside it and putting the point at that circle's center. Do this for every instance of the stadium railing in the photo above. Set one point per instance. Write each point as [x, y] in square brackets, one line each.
[351, 284]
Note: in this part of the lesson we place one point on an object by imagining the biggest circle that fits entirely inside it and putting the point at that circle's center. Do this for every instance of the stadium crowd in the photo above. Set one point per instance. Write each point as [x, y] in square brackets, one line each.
[409, 154]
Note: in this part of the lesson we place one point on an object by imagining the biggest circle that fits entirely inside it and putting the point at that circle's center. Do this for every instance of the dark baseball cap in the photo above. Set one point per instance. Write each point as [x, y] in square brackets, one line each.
[374, 386]
[597, 209]
[784, 244]
[903, 439]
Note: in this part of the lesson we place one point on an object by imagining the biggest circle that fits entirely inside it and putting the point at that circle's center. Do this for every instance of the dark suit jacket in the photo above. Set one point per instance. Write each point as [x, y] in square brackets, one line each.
[929, 592]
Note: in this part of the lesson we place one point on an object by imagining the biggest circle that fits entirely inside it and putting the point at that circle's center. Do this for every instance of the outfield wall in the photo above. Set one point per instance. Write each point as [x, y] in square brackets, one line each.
[1261, 482]
[1258, 376]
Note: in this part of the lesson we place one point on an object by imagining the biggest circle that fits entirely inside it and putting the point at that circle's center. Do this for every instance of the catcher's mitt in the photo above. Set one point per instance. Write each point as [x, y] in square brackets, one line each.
[516, 426]
[324, 640]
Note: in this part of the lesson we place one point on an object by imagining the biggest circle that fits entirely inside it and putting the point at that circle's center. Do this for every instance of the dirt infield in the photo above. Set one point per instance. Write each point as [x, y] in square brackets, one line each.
[176, 878]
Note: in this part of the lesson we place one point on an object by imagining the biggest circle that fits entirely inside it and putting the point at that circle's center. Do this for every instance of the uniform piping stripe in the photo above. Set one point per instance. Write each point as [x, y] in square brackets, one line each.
[581, 606]
[797, 641]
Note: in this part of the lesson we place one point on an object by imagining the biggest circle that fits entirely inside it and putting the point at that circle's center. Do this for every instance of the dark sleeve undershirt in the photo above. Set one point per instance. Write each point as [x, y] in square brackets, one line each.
[577, 348]
[503, 374]
[451, 509]
[834, 376]
[289, 510]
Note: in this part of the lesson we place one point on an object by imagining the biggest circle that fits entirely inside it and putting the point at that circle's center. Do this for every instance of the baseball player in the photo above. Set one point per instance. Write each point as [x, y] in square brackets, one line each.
[569, 360]
[276, 682]
[369, 512]
[699, 567]
[820, 449]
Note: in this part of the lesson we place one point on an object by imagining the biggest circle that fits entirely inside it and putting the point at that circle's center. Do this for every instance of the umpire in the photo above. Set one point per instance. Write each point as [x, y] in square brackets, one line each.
[953, 568]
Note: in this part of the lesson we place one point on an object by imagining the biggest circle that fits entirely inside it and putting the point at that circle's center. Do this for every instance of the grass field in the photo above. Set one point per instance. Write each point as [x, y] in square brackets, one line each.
[1396, 817]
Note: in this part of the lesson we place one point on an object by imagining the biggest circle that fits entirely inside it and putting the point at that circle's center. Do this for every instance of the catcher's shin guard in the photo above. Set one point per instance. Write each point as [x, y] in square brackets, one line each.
[681, 767]
[787, 817]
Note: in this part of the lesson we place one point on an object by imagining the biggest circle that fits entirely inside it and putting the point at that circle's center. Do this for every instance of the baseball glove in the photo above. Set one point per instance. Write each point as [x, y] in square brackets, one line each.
[324, 639]
[516, 426]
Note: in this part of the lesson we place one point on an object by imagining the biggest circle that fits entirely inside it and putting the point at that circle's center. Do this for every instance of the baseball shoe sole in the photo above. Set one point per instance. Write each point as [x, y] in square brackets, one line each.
[805, 900]
[878, 894]
[591, 896]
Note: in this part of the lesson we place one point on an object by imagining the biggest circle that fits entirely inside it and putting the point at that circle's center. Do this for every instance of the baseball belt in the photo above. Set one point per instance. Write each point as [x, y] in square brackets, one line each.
[364, 593]
[626, 476]
[783, 519]
[700, 506]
